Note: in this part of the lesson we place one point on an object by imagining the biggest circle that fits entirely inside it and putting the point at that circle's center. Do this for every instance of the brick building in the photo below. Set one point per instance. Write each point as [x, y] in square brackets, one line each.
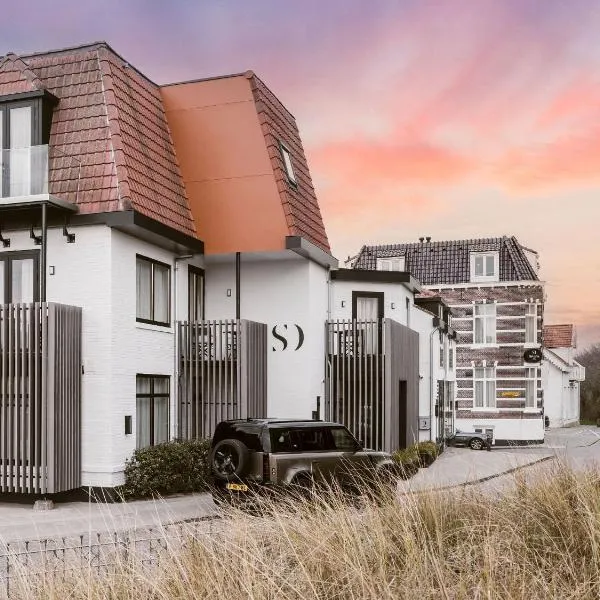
[497, 301]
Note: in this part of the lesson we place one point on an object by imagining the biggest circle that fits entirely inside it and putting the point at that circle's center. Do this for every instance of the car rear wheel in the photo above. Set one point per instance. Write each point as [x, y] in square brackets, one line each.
[229, 459]
[476, 444]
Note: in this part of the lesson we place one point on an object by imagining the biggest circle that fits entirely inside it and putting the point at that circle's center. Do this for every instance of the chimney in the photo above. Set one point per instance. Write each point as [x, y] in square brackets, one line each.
[421, 240]
[428, 239]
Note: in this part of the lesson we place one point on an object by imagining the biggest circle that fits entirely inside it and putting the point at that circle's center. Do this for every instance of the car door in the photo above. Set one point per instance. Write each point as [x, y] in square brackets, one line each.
[354, 465]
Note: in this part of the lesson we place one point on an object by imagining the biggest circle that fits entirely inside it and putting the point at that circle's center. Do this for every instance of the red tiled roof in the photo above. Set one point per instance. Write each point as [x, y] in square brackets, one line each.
[300, 203]
[559, 336]
[109, 138]
[16, 77]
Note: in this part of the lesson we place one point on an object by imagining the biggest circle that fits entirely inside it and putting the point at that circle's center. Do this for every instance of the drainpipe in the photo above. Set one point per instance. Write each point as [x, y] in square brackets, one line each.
[431, 404]
[176, 261]
[238, 277]
[326, 390]
[44, 254]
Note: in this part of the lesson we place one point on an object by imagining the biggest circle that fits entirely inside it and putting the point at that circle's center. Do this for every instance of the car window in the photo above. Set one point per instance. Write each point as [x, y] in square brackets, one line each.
[302, 440]
[343, 440]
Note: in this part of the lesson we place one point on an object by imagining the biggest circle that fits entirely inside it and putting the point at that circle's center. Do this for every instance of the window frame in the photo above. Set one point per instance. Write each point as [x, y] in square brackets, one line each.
[154, 262]
[531, 383]
[152, 395]
[485, 318]
[379, 296]
[7, 258]
[288, 166]
[196, 272]
[485, 403]
[389, 262]
[483, 278]
[531, 315]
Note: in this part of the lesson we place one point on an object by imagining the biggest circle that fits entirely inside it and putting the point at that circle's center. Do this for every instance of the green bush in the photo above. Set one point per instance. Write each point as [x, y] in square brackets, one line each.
[169, 468]
[408, 460]
[412, 458]
[428, 452]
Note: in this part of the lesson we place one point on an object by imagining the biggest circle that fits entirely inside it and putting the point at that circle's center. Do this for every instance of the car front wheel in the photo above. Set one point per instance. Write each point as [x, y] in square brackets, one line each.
[476, 444]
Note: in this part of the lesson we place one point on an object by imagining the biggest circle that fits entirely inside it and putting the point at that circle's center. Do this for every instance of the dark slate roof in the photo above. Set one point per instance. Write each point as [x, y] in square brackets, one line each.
[449, 262]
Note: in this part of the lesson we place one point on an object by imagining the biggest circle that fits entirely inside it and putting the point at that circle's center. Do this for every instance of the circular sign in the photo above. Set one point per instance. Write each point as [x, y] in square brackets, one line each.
[533, 355]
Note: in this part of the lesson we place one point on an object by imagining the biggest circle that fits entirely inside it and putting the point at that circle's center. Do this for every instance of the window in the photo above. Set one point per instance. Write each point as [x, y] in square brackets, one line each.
[531, 389]
[301, 440]
[343, 440]
[485, 266]
[153, 287]
[393, 263]
[451, 356]
[367, 306]
[442, 357]
[287, 163]
[195, 294]
[531, 324]
[485, 387]
[152, 410]
[484, 323]
[19, 277]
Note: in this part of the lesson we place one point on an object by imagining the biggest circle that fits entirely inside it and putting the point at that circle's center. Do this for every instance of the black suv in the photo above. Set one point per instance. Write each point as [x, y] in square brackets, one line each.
[258, 454]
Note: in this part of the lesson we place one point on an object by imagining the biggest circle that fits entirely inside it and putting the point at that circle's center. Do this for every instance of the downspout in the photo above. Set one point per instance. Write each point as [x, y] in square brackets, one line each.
[326, 388]
[238, 278]
[431, 404]
[176, 261]
[44, 254]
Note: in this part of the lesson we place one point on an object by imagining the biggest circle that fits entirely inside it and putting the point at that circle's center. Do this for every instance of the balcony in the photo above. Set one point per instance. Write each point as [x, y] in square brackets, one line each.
[577, 372]
[38, 174]
[222, 374]
[40, 398]
[372, 380]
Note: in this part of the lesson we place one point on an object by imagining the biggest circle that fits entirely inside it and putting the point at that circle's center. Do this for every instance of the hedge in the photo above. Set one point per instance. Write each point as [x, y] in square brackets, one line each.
[168, 468]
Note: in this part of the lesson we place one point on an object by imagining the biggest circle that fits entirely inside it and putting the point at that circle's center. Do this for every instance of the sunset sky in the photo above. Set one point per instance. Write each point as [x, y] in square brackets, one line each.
[447, 118]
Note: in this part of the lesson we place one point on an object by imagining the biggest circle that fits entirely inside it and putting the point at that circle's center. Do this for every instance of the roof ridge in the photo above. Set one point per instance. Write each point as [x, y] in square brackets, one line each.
[121, 171]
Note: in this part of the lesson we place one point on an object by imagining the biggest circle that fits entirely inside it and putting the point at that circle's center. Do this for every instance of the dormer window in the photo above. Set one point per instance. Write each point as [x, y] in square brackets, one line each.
[485, 266]
[393, 263]
[286, 155]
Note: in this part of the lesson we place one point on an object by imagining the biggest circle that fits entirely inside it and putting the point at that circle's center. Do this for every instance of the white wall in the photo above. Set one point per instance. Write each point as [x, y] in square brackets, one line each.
[394, 293]
[507, 429]
[561, 398]
[98, 273]
[284, 291]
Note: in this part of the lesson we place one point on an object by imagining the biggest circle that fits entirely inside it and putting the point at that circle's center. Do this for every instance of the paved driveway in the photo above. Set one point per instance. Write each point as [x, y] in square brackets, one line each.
[580, 446]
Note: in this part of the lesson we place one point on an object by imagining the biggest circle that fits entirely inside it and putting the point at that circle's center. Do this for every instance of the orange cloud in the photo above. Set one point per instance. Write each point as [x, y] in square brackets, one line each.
[417, 162]
[572, 160]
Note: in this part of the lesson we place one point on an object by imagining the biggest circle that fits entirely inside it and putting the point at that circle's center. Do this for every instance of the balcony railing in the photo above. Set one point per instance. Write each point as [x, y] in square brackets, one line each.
[38, 170]
[222, 374]
[577, 373]
[40, 398]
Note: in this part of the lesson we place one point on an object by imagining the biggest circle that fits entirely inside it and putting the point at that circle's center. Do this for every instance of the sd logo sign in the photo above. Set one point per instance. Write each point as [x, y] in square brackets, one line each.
[282, 335]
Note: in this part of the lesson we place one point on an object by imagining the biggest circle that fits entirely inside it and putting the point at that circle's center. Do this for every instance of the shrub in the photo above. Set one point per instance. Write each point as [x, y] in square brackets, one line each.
[169, 468]
[428, 452]
[408, 460]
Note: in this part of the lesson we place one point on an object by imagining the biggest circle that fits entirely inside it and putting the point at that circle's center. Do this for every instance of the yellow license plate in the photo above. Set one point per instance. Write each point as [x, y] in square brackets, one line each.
[238, 487]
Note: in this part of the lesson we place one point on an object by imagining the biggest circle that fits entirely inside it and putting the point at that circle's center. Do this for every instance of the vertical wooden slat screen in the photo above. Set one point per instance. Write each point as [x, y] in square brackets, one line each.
[354, 378]
[222, 374]
[40, 398]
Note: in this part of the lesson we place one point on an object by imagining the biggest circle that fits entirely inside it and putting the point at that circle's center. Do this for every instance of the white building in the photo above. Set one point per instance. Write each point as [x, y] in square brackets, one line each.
[561, 376]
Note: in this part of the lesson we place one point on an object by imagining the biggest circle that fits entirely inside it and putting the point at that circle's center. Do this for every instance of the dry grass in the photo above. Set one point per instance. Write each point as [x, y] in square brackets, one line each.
[536, 542]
